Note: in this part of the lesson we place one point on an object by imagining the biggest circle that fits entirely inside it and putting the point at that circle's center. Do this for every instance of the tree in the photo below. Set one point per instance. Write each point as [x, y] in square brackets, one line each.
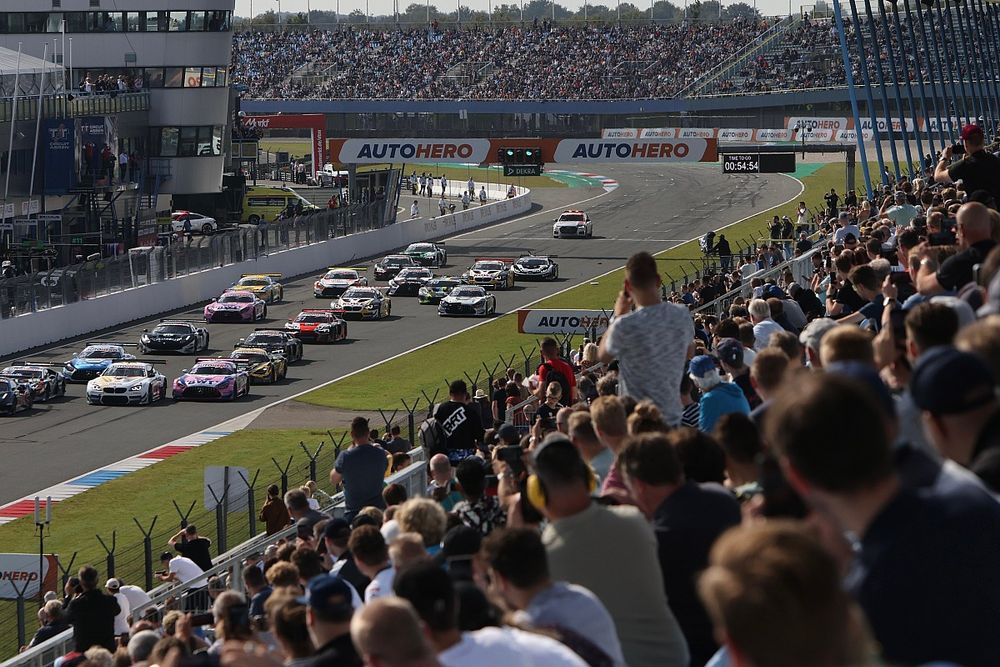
[740, 10]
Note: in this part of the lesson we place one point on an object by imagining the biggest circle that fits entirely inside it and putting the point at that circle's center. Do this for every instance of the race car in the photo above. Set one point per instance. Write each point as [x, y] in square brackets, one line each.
[335, 281]
[317, 325]
[174, 336]
[490, 272]
[367, 303]
[573, 224]
[531, 267]
[235, 306]
[42, 378]
[409, 281]
[264, 285]
[128, 383]
[213, 379]
[264, 367]
[94, 359]
[468, 300]
[436, 289]
[14, 397]
[274, 340]
[390, 265]
[427, 254]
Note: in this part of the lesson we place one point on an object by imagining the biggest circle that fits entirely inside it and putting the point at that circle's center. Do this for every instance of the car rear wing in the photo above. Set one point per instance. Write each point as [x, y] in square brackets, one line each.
[40, 363]
[182, 319]
[238, 362]
[318, 310]
[254, 275]
[111, 342]
[506, 260]
[270, 329]
[154, 362]
[347, 268]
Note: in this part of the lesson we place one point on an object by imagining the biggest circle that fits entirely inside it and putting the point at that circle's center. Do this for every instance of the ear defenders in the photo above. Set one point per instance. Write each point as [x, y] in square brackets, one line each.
[535, 488]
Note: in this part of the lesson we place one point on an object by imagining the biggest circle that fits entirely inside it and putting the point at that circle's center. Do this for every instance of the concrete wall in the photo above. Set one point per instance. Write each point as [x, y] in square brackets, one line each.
[54, 324]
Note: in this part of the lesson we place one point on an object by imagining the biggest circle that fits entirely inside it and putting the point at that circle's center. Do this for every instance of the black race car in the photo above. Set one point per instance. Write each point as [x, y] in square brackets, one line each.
[274, 340]
[181, 336]
[409, 281]
[531, 267]
[390, 265]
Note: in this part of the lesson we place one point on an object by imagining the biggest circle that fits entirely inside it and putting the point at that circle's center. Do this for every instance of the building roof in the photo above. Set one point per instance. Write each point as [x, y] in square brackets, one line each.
[29, 64]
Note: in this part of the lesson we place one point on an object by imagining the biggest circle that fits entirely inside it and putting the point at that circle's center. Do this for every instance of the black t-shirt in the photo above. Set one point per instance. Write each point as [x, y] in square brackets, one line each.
[941, 238]
[849, 298]
[831, 202]
[197, 550]
[461, 423]
[956, 271]
[804, 245]
[544, 411]
[978, 171]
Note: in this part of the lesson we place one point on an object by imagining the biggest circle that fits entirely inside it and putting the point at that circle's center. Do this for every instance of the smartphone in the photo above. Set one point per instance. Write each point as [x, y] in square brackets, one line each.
[898, 318]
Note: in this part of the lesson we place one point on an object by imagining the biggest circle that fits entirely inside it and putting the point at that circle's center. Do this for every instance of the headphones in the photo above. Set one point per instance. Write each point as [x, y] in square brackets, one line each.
[535, 488]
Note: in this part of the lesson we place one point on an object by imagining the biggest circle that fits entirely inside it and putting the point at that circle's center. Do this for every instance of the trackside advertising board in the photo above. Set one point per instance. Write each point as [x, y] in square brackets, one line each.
[551, 321]
[16, 570]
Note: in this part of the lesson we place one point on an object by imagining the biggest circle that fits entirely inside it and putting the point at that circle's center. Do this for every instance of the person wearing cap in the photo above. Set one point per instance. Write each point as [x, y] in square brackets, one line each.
[845, 227]
[442, 487]
[328, 617]
[717, 397]
[121, 620]
[180, 569]
[978, 170]
[336, 535]
[898, 210]
[730, 353]
[974, 235]
[956, 393]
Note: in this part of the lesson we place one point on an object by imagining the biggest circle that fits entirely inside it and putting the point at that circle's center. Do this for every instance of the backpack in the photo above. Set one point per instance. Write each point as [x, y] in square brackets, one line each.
[433, 439]
[553, 375]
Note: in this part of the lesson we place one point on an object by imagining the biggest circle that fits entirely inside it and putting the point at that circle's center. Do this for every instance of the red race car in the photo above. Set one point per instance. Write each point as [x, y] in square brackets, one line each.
[319, 325]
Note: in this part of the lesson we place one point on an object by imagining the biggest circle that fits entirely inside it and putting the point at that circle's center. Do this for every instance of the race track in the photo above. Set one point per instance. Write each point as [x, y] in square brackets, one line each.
[654, 208]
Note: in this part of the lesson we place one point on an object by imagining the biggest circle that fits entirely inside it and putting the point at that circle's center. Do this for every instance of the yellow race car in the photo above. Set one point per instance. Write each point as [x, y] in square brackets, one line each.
[265, 285]
[265, 367]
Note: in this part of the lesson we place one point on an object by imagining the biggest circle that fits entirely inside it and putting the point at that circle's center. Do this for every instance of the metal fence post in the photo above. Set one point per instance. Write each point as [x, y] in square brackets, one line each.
[410, 420]
[220, 518]
[313, 456]
[284, 473]
[147, 548]
[21, 620]
[110, 553]
[251, 501]
[64, 571]
[184, 515]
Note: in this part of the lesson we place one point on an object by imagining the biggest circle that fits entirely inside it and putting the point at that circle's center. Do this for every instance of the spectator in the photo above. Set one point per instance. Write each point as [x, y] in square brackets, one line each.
[845, 227]
[274, 514]
[610, 424]
[140, 646]
[477, 510]
[54, 622]
[396, 443]
[555, 369]
[767, 375]
[974, 239]
[189, 543]
[594, 452]
[635, 596]
[717, 397]
[730, 353]
[982, 339]
[182, 570]
[763, 325]
[461, 423]
[372, 557]
[425, 517]
[408, 548]
[92, 614]
[741, 443]
[137, 598]
[121, 620]
[846, 343]
[336, 535]
[789, 344]
[811, 337]
[297, 503]
[551, 404]
[692, 408]
[442, 487]
[646, 418]
[287, 620]
[257, 589]
[361, 468]
[388, 633]
[978, 170]
[328, 617]
[231, 623]
[650, 339]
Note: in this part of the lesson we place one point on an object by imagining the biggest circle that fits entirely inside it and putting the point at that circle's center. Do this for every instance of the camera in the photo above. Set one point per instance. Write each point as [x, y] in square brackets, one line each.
[958, 149]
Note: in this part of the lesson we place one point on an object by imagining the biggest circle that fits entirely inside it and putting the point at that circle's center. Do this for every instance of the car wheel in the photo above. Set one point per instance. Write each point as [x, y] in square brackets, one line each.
[274, 375]
[207, 228]
[45, 395]
[149, 395]
[207, 338]
[263, 314]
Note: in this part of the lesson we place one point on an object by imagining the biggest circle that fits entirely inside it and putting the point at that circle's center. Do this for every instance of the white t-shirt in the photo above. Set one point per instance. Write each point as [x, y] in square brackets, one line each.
[381, 585]
[762, 333]
[508, 647]
[136, 597]
[121, 620]
[186, 570]
[842, 232]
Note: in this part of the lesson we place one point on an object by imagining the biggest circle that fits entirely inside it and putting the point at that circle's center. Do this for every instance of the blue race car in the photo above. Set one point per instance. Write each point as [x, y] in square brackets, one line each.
[94, 359]
[213, 379]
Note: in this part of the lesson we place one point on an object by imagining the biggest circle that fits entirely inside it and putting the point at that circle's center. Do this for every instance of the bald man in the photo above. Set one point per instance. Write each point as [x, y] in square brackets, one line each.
[975, 239]
[387, 633]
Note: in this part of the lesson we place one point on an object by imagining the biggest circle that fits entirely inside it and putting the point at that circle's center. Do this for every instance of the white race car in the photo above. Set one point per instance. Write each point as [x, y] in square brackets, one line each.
[573, 224]
[492, 272]
[468, 300]
[128, 383]
[336, 280]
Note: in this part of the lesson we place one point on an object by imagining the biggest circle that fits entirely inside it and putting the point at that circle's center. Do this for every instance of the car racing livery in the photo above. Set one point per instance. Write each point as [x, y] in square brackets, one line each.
[174, 336]
[274, 340]
[573, 224]
[43, 379]
[235, 306]
[390, 265]
[427, 254]
[490, 272]
[436, 289]
[14, 396]
[409, 281]
[468, 300]
[264, 367]
[320, 325]
[213, 379]
[532, 267]
[367, 303]
[336, 280]
[135, 382]
[94, 359]
[264, 285]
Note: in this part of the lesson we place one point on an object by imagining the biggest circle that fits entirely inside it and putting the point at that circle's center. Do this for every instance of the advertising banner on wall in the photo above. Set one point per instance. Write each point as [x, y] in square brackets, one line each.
[59, 137]
[374, 151]
[620, 133]
[817, 123]
[741, 134]
[549, 321]
[18, 570]
[582, 151]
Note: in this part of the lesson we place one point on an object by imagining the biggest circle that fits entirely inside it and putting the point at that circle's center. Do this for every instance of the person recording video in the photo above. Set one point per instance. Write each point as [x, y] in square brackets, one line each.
[978, 170]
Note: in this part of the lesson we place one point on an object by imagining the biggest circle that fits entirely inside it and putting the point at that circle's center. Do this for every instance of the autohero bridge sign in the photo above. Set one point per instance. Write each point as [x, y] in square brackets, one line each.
[549, 321]
[582, 151]
[20, 570]
[373, 151]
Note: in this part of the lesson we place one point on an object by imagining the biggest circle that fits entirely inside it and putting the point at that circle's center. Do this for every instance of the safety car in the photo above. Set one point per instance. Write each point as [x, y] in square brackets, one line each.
[532, 267]
[490, 272]
[409, 281]
[436, 289]
[135, 382]
[174, 336]
[94, 359]
[468, 300]
[573, 224]
[213, 379]
[390, 265]
[336, 280]
[320, 325]
[427, 254]
[235, 305]
[264, 367]
[14, 396]
[42, 378]
[274, 340]
[265, 285]
[367, 303]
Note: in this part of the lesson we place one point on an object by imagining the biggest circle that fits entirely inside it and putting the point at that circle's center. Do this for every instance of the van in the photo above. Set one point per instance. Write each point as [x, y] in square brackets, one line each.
[268, 203]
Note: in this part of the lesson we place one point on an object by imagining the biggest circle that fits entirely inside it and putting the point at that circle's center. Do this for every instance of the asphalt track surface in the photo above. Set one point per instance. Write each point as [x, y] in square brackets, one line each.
[654, 208]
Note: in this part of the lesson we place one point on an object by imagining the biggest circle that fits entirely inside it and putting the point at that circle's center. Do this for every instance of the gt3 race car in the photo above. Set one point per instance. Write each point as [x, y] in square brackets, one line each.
[531, 267]
[427, 254]
[174, 336]
[43, 379]
[94, 359]
[409, 281]
[264, 367]
[390, 265]
[573, 224]
[436, 289]
[213, 379]
[274, 340]
[264, 285]
[236, 305]
[14, 397]
[468, 300]
[489, 272]
[128, 383]
[335, 281]
[318, 325]
[367, 303]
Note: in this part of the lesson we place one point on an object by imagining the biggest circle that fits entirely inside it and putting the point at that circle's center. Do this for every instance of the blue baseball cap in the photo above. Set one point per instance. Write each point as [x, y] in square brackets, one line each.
[329, 595]
[730, 352]
[702, 365]
[947, 381]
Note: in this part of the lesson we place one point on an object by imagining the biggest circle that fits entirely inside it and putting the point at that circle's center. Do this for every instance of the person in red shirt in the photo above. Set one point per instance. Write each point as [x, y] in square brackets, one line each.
[551, 361]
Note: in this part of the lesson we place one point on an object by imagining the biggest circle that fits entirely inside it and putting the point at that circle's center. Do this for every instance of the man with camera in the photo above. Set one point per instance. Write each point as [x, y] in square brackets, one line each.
[978, 170]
